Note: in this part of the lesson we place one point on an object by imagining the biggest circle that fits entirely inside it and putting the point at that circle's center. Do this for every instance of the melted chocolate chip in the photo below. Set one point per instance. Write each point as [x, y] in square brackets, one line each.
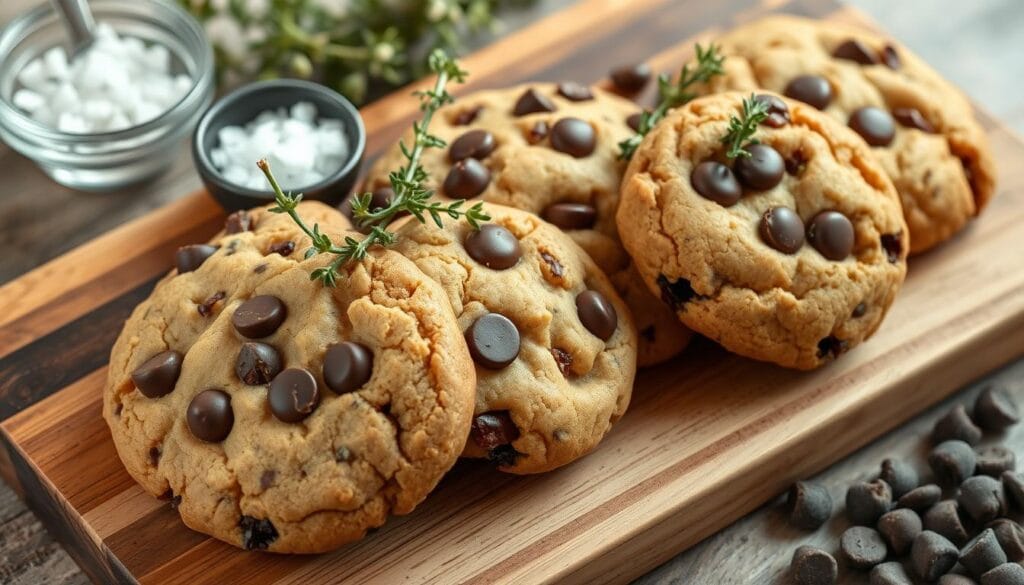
[575, 92]
[571, 216]
[532, 102]
[466, 179]
[875, 125]
[891, 58]
[556, 268]
[493, 246]
[205, 308]
[762, 170]
[257, 363]
[210, 416]
[813, 90]
[782, 229]
[157, 375]
[347, 366]
[893, 246]
[631, 78]
[538, 132]
[563, 360]
[237, 222]
[715, 181]
[259, 316]
[854, 50]
[912, 118]
[293, 395]
[859, 310]
[467, 116]
[676, 293]
[257, 534]
[473, 144]
[831, 234]
[796, 163]
[491, 430]
[189, 258]
[574, 137]
[778, 111]
[284, 248]
[504, 456]
[261, 268]
[832, 347]
[597, 314]
[633, 121]
[493, 341]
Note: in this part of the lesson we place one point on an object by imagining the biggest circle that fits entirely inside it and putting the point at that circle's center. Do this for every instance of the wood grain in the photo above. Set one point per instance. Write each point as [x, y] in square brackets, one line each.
[708, 438]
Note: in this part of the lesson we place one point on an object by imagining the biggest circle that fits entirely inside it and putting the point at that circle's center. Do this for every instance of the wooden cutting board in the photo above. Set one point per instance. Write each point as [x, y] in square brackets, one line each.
[709, 437]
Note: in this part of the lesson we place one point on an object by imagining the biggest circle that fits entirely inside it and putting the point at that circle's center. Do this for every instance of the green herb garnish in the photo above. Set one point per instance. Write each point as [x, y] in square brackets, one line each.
[672, 95]
[742, 129]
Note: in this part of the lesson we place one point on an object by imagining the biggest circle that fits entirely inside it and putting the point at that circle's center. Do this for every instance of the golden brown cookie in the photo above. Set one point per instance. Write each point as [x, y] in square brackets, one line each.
[792, 255]
[921, 128]
[281, 414]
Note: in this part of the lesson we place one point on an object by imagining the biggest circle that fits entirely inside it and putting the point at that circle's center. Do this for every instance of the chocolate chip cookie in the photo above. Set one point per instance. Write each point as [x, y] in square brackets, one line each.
[280, 414]
[550, 149]
[554, 346]
[792, 254]
[921, 128]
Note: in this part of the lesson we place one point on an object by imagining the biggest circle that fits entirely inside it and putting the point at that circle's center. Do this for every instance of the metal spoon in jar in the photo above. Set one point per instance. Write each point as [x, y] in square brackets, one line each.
[78, 21]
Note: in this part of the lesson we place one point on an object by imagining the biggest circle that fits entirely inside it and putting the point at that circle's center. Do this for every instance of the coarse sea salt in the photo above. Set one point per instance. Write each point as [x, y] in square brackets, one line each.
[116, 83]
[301, 149]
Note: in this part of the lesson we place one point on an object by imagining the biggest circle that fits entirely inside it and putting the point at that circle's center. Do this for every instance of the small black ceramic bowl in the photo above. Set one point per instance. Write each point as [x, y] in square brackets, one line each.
[243, 105]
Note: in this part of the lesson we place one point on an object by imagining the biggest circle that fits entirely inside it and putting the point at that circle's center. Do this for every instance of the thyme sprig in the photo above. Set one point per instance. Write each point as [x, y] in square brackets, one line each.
[672, 95]
[742, 129]
[410, 194]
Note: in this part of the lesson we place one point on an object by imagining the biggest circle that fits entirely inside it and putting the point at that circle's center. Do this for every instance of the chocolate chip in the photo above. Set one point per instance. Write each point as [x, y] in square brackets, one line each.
[261, 268]
[832, 347]
[796, 163]
[912, 118]
[491, 430]
[267, 479]
[157, 376]
[813, 566]
[631, 78]
[574, 137]
[901, 476]
[563, 360]
[813, 90]
[782, 229]
[899, 528]
[862, 547]
[854, 50]
[189, 258]
[473, 144]
[493, 246]
[831, 234]
[257, 363]
[676, 293]
[778, 111]
[466, 179]
[343, 455]
[210, 416]
[932, 555]
[921, 498]
[467, 116]
[257, 534]
[944, 518]
[867, 501]
[1013, 483]
[995, 410]
[532, 102]
[381, 198]
[859, 310]
[284, 248]
[982, 554]
[956, 425]
[809, 505]
[993, 460]
[347, 366]
[762, 170]
[597, 314]
[205, 308]
[504, 456]
[575, 92]
[538, 132]
[715, 181]
[982, 498]
[259, 316]
[556, 268]
[571, 216]
[952, 462]
[293, 395]
[237, 222]
[891, 58]
[893, 246]
[875, 125]
[493, 341]
[1005, 574]
[891, 573]
[1011, 538]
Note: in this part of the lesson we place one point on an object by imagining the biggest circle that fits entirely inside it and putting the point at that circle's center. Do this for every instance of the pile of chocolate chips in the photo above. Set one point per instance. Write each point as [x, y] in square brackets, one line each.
[958, 529]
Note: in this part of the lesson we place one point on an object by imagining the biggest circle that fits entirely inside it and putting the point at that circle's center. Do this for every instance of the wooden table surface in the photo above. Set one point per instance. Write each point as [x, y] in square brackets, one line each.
[975, 44]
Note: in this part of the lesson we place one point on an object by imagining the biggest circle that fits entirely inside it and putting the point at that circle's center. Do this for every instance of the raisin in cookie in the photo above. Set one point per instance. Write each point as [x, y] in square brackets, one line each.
[554, 346]
[281, 414]
[921, 128]
[550, 149]
[792, 255]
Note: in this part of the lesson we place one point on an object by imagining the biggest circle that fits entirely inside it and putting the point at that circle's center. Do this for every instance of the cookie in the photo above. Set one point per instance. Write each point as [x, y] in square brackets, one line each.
[280, 414]
[921, 128]
[552, 150]
[554, 346]
[792, 255]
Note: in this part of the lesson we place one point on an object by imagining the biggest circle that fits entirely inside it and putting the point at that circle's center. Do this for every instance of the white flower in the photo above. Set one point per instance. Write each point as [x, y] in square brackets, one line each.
[436, 10]
[383, 52]
[335, 8]
[226, 33]
[257, 8]
[255, 34]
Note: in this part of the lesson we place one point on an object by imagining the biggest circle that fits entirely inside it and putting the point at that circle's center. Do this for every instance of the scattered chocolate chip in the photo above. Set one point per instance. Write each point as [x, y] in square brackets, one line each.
[189, 258]
[1011, 538]
[867, 501]
[796, 163]
[261, 268]
[237, 222]
[832, 347]
[631, 78]
[813, 90]
[933, 555]
[676, 293]
[259, 316]
[575, 92]
[862, 547]
[473, 144]
[574, 137]
[891, 58]
[993, 460]
[493, 246]
[556, 268]
[347, 366]
[503, 456]
[597, 314]
[633, 121]
[899, 528]
[782, 229]
[762, 170]
[157, 376]
[205, 308]
[538, 132]
[921, 498]
[1013, 483]
[343, 455]
[715, 181]
[875, 125]
[563, 360]
[571, 216]
[778, 111]
[982, 553]
[891, 573]
[859, 310]
[257, 534]
[466, 179]
[912, 118]
[532, 102]
[854, 50]
[893, 246]
[982, 498]
[956, 425]
[901, 476]
[809, 505]
[831, 233]
[491, 430]
[467, 116]
[493, 341]
[944, 518]
[293, 395]
[1005, 574]
[154, 456]
[813, 566]
[284, 248]
[952, 462]
[267, 479]
[210, 416]
[995, 410]
[257, 363]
